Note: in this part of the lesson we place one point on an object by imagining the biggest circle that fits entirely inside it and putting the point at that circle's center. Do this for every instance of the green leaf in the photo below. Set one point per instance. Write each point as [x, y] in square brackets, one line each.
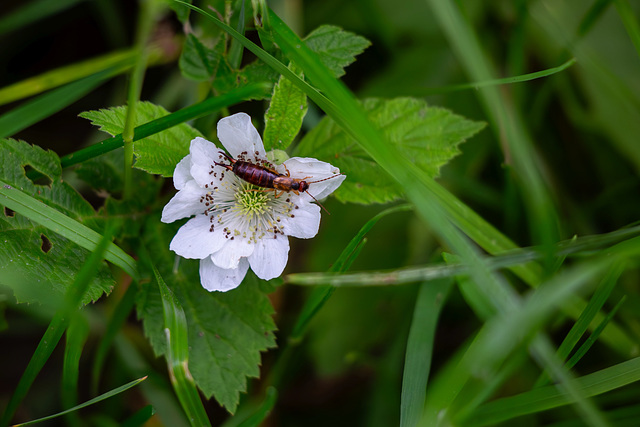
[36, 263]
[428, 135]
[283, 119]
[201, 63]
[156, 154]
[335, 47]
[227, 330]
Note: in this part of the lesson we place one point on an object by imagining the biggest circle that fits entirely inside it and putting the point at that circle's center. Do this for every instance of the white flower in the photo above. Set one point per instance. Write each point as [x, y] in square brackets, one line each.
[237, 225]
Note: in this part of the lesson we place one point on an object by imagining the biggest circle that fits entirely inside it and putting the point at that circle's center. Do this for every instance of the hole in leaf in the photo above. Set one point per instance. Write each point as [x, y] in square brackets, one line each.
[36, 177]
[46, 244]
[8, 212]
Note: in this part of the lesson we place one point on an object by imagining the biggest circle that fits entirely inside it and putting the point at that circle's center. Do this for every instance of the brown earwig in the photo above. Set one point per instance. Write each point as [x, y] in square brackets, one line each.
[262, 176]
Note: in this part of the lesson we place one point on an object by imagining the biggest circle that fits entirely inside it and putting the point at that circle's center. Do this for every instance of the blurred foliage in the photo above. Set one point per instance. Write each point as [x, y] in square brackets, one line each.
[580, 132]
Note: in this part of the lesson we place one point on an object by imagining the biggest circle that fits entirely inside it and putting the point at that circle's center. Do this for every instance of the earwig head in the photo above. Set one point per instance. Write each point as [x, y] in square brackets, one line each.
[302, 186]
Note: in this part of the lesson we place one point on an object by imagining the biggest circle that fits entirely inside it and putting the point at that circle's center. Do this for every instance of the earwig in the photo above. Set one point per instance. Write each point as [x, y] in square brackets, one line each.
[262, 176]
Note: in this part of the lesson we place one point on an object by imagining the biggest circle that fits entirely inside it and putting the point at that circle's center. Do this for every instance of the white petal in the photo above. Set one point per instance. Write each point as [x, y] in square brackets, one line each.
[182, 173]
[238, 135]
[195, 240]
[305, 222]
[269, 258]
[185, 203]
[229, 255]
[214, 278]
[203, 156]
[315, 170]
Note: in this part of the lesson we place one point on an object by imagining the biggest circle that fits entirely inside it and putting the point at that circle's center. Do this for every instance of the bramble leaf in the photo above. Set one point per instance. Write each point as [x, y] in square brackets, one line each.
[157, 154]
[426, 136]
[335, 47]
[227, 330]
[283, 119]
[35, 262]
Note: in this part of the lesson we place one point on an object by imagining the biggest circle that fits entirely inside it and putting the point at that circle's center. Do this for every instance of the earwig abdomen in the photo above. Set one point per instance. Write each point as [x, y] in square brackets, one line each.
[254, 174]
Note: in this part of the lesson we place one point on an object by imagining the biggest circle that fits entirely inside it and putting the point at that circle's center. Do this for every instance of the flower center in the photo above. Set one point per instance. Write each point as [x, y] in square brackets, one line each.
[251, 201]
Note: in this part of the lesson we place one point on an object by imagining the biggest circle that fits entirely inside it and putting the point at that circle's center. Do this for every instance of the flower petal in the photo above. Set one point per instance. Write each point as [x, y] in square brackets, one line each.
[196, 240]
[229, 255]
[269, 258]
[238, 135]
[305, 222]
[185, 203]
[214, 278]
[182, 174]
[315, 170]
[203, 156]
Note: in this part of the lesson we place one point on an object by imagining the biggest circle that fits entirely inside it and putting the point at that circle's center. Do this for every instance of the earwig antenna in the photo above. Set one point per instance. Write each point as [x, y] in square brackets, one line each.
[324, 179]
[228, 157]
[325, 209]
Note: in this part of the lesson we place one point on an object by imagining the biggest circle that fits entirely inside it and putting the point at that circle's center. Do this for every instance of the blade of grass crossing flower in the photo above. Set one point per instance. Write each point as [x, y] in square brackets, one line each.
[419, 187]
[630, 21]
[548, 397]
[342, 105]
[57, 327]
[594, 336]
[588, 315]
[188, 113]
[77, 333]
[51, 102]
[100, 398]
[178, 355]
[63, 225]
[139, 418]
[430, 300]
[114, 325]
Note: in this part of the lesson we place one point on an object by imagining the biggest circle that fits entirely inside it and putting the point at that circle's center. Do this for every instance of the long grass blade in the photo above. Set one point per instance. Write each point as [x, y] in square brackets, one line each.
[200, 109]
[77, 333]
[630, 21]
[32, 12]
[420, 344]
[100, 398]
[177, 334]
[549, 397]
[45, 105]
[67, 227]
[495, 82]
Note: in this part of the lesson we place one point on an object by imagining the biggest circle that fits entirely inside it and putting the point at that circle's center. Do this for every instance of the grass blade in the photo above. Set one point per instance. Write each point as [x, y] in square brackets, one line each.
[116, 321]
[32, 12]
[495, 82]
[192, 112]
[67, 227]
[100, 398]
[77, 333]
[548, 397]
[430, 300]
[45, 105]
[628, 17]
[178, 356]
